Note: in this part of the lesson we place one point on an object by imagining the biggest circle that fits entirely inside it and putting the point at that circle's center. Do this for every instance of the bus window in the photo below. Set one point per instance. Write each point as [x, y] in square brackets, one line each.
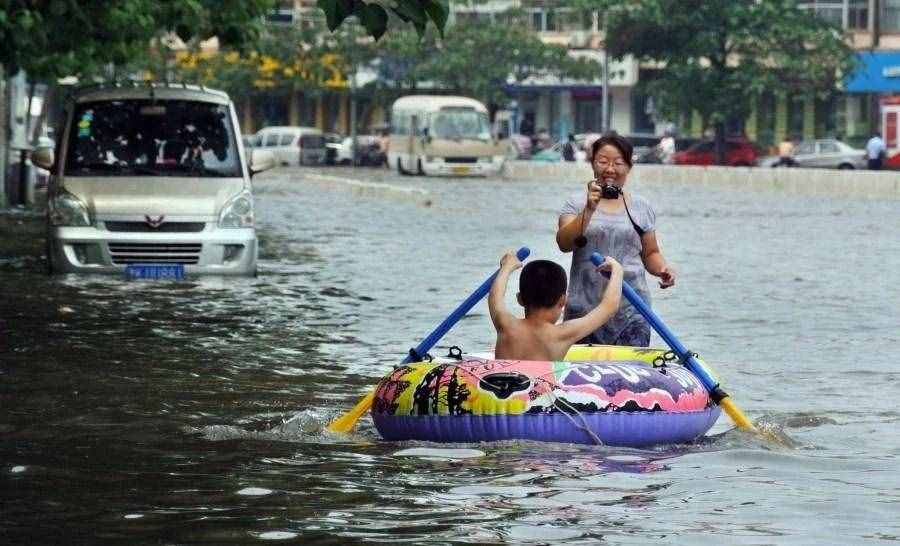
[459, 123]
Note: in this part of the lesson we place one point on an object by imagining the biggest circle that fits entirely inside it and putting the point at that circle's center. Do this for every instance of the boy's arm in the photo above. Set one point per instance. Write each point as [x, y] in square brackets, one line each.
[496, 298]
[575, 329]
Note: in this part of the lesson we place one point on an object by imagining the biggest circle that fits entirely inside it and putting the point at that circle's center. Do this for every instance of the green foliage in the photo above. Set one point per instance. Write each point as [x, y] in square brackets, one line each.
[375, 16]
[56, 38]
[477, 59]
[717, 56]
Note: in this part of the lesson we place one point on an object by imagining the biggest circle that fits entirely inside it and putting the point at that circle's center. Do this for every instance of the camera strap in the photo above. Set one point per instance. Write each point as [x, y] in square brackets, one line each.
[637, 228]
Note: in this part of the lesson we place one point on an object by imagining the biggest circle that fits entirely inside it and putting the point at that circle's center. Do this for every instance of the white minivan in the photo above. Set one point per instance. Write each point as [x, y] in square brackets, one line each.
[150, 180]
[292, 146]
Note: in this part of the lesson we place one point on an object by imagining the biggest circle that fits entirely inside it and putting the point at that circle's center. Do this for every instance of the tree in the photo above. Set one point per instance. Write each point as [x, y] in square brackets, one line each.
[50, 39]
[717, 56]
[375, 15]
[477, 59]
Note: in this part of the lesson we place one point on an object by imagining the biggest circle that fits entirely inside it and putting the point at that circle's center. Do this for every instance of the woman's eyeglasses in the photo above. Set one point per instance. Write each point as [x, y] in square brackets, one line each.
[603, 163]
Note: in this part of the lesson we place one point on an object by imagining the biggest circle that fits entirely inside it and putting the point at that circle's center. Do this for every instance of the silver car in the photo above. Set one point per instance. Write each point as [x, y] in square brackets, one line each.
[152, 180]
[825, 153]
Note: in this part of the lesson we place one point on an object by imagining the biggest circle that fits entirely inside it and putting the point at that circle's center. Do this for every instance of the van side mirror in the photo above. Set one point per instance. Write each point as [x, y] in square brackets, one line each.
[261, 160]
[43, 158]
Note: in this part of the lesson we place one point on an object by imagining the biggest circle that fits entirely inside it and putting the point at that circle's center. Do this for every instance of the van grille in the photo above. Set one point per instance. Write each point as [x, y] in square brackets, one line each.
[460, 159]
[166, 227]
[169, 253]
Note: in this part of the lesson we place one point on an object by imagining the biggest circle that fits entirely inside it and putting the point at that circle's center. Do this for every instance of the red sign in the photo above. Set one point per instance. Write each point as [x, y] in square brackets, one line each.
[890, 129]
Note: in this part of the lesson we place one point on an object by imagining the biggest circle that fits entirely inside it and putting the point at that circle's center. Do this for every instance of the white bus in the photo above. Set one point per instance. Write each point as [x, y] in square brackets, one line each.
[443, 135]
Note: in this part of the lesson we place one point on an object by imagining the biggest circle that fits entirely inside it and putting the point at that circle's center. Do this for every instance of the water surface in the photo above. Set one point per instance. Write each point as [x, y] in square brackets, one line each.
[192, 412]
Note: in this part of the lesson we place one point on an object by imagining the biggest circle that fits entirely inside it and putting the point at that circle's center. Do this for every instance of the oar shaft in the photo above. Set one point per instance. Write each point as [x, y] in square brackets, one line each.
[718, 395]
[458, 313]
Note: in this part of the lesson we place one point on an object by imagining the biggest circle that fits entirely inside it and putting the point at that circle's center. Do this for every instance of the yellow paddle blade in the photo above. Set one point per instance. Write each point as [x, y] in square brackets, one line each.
[346, 422]
[736, 415]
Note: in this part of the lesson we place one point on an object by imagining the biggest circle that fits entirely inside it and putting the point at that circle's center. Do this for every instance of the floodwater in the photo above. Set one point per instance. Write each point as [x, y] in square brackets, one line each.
[193, 412]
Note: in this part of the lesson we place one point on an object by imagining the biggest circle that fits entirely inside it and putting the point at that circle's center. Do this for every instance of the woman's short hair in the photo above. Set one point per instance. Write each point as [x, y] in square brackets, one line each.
[541, 284]
[621, 143]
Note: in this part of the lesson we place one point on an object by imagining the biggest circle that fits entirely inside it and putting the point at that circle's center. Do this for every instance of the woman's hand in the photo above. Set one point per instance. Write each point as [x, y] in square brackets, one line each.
[594, 195]
[666, 277]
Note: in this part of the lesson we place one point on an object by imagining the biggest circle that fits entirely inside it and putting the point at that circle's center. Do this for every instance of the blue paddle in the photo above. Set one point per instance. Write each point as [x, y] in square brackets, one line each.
[715, 391]
[346, 422]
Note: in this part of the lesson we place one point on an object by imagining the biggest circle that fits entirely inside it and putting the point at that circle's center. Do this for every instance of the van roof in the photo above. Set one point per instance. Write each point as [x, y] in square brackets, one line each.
[134, 90]
[433, 103]
[289, 129]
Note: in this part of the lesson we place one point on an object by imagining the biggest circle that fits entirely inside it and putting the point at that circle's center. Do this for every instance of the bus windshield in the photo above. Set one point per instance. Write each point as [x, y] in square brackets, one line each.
[460, 123]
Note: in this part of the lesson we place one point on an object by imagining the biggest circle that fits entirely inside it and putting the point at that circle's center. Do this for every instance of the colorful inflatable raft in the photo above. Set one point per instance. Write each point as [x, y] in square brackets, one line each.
[620, 396]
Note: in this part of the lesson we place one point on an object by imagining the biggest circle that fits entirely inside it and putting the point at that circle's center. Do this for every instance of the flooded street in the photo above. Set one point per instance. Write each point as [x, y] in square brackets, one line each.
[192, 412]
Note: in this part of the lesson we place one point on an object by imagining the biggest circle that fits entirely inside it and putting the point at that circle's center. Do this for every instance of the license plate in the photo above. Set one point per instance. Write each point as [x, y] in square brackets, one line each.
[173, 272]
[460, 170]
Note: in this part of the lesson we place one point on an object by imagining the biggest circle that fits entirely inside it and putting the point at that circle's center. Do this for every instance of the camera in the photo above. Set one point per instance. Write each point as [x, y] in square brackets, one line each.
[609, 191]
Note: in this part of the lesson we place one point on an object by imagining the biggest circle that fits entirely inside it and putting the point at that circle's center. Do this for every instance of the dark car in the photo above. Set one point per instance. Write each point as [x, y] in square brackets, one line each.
[332, 144]
[739, 152]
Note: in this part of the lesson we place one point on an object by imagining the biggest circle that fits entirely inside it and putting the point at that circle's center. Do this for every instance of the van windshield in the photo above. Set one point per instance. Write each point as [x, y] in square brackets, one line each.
[152, 137]
[460, 123]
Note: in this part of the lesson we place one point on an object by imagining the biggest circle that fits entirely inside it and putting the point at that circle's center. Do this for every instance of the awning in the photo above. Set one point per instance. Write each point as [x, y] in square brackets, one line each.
[878, 72]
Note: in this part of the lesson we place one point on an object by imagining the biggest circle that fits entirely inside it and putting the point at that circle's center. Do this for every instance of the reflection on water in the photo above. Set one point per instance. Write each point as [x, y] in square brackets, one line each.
[194, 412]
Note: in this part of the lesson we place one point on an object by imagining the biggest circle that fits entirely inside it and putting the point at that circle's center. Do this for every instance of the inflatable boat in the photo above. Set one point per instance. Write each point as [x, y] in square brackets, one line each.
[618, 396]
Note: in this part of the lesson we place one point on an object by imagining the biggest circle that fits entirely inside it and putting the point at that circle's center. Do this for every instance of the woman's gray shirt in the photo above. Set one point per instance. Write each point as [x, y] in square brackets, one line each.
[611, 235]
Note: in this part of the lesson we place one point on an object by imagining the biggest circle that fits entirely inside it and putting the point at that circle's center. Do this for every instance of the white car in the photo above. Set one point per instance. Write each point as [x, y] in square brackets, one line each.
[152, 180]
[826, 153]
[292, 146]
[364, 144]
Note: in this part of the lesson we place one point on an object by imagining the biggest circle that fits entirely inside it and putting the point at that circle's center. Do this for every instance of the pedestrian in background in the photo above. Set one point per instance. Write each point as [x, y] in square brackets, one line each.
[875, 151]
[785, 153]
[667, 147]
[568, 151]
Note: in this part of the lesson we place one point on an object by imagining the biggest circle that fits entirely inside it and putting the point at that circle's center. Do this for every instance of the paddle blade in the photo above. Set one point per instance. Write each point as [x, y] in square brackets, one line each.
[736, 415]
[346, 422]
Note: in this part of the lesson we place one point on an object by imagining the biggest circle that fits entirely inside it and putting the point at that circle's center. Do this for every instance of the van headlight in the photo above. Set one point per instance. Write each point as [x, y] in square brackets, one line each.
[67, 210]
[238, 211]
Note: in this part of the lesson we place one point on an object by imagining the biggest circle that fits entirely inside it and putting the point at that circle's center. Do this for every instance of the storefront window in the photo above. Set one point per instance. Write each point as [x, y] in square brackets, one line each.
[890, 16]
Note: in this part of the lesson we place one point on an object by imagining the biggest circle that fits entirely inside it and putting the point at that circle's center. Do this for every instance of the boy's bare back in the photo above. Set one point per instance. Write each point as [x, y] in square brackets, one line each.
[538, 336]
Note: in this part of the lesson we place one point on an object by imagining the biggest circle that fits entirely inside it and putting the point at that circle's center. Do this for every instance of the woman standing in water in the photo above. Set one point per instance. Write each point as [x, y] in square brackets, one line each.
[614, 223]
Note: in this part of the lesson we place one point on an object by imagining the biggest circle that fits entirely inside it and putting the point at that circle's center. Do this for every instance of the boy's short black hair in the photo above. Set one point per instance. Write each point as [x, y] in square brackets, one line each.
[541, 284]
[616, 140]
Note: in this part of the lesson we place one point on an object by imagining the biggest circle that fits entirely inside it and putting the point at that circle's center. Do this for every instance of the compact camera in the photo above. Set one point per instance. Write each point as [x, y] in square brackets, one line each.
[609, 191]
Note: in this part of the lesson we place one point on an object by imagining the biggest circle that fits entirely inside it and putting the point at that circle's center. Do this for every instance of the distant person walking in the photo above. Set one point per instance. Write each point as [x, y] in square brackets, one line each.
[785, 154]
[875, 151]
[568, 150]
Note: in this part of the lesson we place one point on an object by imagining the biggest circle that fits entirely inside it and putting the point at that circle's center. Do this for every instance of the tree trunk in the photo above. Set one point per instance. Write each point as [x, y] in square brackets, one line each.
[42, 117]
[248, 128]
[293, 106]
[720, 143]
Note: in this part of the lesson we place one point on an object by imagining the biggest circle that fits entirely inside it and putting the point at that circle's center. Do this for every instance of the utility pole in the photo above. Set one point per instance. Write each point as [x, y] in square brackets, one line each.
[604, 122]
[604, 114]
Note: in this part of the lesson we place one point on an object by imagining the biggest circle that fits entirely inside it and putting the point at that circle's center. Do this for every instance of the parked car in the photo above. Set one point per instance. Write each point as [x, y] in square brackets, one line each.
[332, 145]
[367, 151]
[293, 146]
[825, 153]
[654, 154]
[554, 153]
[739, 152]
[642, 142]
[151, 182]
